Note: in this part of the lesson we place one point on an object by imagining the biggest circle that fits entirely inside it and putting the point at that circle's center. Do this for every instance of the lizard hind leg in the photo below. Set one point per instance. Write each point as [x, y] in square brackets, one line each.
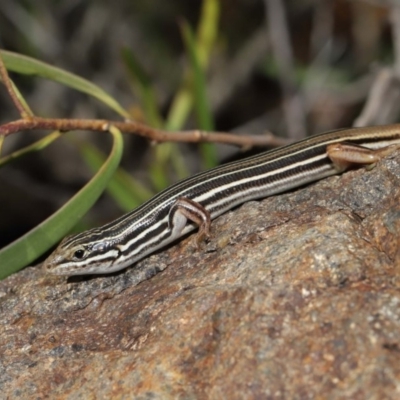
[348, 155]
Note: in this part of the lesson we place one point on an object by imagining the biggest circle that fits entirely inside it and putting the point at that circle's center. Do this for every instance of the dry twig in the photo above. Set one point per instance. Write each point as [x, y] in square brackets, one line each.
[29, 122]
[155, 135]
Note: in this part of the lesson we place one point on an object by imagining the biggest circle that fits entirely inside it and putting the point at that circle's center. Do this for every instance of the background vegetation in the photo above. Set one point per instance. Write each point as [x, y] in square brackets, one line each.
[246, 66]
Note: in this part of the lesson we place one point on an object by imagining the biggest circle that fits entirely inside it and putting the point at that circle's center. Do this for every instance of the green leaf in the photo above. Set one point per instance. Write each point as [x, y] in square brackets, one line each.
[33, 244]
[21, 99]
[127, 192]
[30, 66]
[36, 146]
[159, 168]
[201, 102]
[144, 86]
[207, 30]
[180, 107]
[200, 93]
[207, 33]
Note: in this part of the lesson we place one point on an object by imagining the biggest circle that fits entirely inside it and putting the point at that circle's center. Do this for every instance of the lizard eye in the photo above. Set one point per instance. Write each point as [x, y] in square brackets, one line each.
[79, 254]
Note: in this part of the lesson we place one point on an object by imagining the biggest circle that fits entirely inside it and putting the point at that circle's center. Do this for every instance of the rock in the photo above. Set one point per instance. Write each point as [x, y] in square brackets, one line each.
[295, 296]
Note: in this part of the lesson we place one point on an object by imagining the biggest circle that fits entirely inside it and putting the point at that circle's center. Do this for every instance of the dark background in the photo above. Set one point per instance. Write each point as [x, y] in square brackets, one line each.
[325, 65]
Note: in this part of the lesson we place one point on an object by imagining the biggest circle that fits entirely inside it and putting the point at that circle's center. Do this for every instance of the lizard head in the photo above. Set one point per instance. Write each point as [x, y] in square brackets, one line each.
[86, 253]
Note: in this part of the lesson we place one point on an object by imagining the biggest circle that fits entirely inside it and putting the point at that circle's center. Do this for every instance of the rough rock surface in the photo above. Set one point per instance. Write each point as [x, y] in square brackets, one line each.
[296, 296]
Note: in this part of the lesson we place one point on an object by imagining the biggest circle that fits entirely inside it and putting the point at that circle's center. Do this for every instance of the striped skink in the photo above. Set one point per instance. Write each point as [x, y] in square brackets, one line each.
[195, 201]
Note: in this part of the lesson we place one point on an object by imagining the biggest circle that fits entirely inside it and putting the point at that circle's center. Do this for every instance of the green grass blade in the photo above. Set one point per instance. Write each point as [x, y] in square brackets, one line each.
[37, 146]
[200, 95]
[30, 66]
[159, 168]
[181, 106]
[201, 102]
[21, 99]
[207, 30]
[33, 244]
[127, 192]
[143, 84]
[207, 33]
